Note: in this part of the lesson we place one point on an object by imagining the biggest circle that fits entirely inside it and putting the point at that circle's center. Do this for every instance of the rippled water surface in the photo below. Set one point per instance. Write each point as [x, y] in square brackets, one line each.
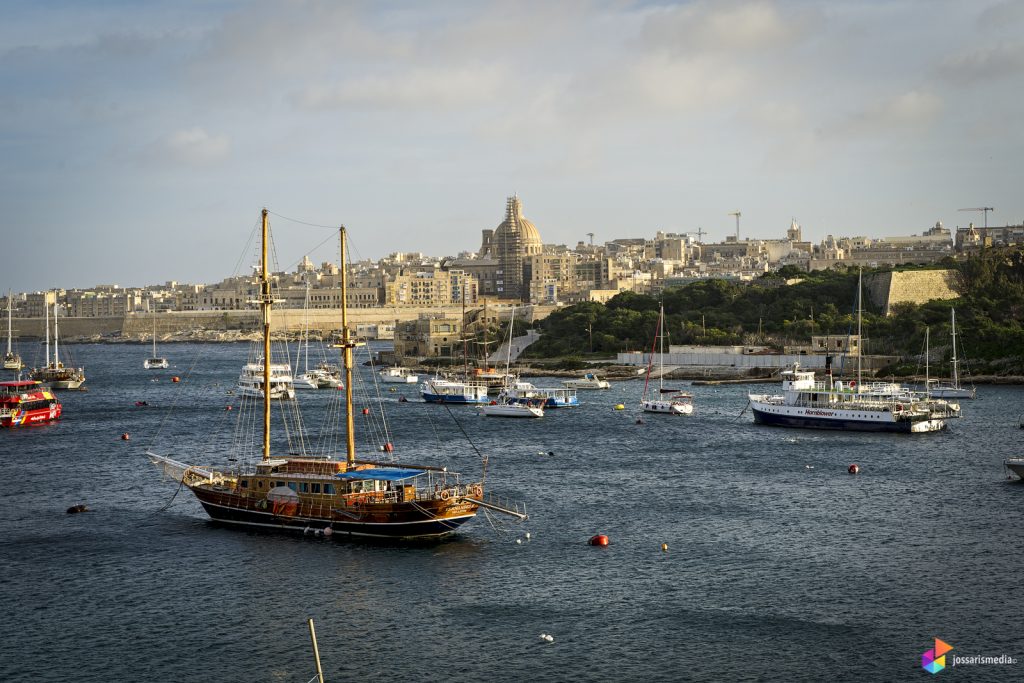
[780, 566]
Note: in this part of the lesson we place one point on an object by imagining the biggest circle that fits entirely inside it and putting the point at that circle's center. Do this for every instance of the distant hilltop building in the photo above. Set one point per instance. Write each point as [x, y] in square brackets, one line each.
[512, 244]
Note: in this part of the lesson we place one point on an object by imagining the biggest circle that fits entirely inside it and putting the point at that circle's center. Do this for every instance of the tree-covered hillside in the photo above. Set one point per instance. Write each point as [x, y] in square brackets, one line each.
[989, 312]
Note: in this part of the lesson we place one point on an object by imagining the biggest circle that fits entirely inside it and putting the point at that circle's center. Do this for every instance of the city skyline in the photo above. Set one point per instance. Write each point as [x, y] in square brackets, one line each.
[140, 142]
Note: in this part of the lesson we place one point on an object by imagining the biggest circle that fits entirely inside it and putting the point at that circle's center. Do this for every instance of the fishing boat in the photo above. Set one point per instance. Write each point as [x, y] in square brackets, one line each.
[951, 388]
[679, 403]
[338, 497]
[588, 381]
[155, 362]
[398, 375]
[55, 374]
[446, 390]
[12, 361]
[27, 402]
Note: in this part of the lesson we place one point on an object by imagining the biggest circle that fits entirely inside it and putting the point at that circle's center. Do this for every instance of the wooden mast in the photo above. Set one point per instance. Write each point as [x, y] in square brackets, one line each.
[347, 344]
[265, 303]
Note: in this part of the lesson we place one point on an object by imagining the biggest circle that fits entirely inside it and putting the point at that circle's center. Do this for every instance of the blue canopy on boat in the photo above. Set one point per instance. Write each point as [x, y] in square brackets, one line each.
[389, 474]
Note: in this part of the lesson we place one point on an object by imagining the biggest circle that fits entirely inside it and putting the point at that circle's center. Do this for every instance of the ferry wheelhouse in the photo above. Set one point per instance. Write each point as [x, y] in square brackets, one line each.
[27, 402]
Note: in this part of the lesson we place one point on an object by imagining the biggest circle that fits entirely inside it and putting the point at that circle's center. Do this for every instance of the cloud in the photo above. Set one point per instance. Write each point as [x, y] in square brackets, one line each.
[909, 111]
[195, 147]
[729, 27]
[986, 64]
[440, 87]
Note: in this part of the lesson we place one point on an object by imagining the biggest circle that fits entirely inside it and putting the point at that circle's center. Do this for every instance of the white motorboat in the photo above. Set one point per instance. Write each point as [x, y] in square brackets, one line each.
[1015, 465]
[250, 382]
[398, 375]
[588, 381]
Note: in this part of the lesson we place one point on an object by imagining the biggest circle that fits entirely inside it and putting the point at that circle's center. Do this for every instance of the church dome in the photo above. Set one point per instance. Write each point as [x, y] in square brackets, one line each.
[516, 229]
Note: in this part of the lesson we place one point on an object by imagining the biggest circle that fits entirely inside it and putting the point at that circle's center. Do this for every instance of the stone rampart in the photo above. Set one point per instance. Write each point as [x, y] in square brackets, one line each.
[886, 290]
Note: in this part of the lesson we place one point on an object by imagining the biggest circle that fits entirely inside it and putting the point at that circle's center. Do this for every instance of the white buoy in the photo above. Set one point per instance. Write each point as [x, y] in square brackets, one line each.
[328, 531]
[550, 638]
[519, 541]
[527, 535]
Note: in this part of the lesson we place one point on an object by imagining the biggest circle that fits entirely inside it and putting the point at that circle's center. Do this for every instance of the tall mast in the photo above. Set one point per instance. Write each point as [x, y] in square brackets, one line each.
[154, 335]
[46, 314]
[8, 322]
[56, 346]
[952, 362]
[265, 303]
[927, 357]
[346, 345]
[860, 309]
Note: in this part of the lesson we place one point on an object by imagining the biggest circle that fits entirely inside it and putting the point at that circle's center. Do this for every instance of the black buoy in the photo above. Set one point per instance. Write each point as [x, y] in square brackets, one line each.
[77, 508]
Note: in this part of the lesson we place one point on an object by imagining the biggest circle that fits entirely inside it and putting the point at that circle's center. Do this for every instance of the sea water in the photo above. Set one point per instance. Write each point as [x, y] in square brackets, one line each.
[779, 566]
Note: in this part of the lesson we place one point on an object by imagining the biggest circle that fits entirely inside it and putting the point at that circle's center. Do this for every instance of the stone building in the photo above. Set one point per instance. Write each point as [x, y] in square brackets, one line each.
[511, 244]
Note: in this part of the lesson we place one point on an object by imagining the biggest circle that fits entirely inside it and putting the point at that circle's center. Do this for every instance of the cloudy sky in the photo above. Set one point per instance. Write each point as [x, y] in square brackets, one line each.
[139, 140]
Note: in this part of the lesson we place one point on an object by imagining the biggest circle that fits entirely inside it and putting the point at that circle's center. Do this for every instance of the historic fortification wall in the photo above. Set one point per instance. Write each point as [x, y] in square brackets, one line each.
[885, 290]
[194, 323]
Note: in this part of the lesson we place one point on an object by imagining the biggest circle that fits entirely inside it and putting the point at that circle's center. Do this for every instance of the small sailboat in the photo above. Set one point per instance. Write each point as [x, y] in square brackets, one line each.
[55, 374]
[155, 362]
[398, 375]
[679, 403]
[12, 361]
[506, 405]
[337, 497]
[951, 388]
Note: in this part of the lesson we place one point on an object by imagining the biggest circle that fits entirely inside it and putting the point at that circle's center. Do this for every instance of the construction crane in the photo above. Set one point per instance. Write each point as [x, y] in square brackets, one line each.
[591, 236]
[737, 214]
[700, 234]
[986, 209]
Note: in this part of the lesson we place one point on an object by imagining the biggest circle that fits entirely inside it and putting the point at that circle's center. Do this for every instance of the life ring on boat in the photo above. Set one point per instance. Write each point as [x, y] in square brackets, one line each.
[445, 494]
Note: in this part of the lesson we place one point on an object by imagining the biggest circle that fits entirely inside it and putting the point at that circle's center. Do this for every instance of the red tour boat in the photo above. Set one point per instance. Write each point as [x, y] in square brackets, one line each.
[27, 402]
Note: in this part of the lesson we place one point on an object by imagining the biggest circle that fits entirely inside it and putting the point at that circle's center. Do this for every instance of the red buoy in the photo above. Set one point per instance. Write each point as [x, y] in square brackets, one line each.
[125, 437]
[228, 408]
[600, 539]
[366, 411]
[388, 447]
[853, 469]
[175, 379]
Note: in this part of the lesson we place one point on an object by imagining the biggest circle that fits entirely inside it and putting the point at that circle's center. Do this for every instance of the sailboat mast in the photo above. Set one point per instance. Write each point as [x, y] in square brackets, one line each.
[927, 357]
[154, 335]
[952, 361]
[56, 346]
[46, 314]
[265, 303]
[860, 310]
[8, 322]
[346, 345]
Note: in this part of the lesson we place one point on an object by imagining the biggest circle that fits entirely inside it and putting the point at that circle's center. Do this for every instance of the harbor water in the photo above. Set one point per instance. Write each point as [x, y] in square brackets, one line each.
[780, 566]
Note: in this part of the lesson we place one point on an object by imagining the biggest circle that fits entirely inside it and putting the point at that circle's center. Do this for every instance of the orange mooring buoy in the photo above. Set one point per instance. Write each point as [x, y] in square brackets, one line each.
[228, 408]
[125, 437]
[853, 469]
[600, 539]
[175, 379]
[366, 411]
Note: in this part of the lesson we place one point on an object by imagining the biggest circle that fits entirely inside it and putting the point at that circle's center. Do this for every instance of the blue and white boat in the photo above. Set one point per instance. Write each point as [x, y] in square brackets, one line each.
[525, 392]
[441, 390]
[811, 404]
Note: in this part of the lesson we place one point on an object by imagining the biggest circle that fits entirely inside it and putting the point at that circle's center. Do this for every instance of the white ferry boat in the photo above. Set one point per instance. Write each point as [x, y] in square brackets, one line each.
[250, 381]
[439, 390]
[811, 404]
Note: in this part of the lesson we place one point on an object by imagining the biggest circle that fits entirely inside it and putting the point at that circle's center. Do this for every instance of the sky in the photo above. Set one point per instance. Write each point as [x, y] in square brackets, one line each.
[140, 140]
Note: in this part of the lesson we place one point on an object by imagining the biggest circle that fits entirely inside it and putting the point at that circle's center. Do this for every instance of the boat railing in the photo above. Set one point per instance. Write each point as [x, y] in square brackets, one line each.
[501, 504]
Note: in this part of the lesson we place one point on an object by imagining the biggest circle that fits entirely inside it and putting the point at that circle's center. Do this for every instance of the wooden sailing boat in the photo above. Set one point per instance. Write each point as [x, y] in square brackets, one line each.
[340, 497]
[677, 404]
[155, 362]
[12, 361]
[55, 373]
